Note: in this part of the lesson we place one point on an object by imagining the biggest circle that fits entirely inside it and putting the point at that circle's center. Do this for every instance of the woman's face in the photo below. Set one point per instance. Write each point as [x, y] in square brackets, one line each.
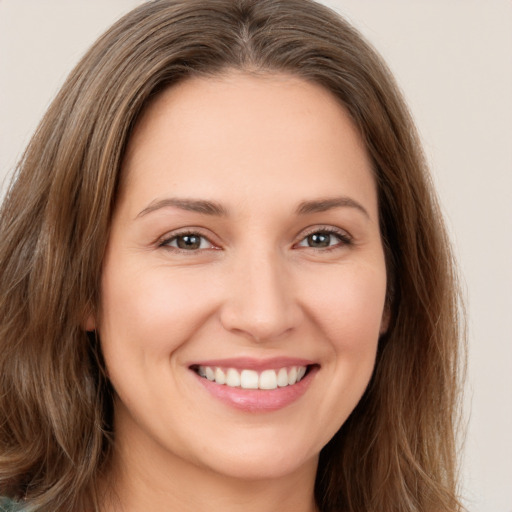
[244, 280]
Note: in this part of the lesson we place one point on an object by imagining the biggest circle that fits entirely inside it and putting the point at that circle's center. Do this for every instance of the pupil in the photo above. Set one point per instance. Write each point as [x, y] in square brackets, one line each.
[319, 240]
[189, 242]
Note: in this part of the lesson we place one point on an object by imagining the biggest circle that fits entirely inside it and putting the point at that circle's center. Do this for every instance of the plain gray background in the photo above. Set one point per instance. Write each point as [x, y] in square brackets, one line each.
[453, 60]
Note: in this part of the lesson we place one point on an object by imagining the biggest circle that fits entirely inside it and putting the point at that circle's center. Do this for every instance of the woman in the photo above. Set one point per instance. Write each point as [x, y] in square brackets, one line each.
[225, 278]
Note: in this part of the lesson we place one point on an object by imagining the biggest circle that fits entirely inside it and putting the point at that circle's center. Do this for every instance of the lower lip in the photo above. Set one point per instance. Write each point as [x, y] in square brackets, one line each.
[259, 400]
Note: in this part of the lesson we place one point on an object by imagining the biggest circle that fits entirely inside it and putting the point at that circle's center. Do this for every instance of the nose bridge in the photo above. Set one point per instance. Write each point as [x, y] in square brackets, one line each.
[261, 302]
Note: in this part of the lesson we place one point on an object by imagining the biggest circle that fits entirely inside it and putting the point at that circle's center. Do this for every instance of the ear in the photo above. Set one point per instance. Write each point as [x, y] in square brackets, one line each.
[385, 320]
[89, 324]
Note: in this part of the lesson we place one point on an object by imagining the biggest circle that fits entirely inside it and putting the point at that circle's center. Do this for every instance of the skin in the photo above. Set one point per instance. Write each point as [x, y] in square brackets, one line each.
[258, 146]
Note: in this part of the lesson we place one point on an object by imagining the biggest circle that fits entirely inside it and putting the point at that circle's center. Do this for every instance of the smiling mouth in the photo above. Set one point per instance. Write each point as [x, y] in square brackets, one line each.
[252, 379]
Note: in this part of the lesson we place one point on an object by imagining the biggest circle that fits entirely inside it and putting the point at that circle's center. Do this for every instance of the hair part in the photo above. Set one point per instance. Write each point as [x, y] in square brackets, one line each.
[397, 450]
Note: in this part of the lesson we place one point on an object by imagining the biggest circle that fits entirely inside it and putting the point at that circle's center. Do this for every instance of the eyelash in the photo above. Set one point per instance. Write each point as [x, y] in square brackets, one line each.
[344, 240]
[165, 242]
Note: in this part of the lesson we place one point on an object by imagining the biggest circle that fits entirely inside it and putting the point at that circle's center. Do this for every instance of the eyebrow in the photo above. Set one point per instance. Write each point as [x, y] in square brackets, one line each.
[191, 205]
[213, 208]
[322, 205]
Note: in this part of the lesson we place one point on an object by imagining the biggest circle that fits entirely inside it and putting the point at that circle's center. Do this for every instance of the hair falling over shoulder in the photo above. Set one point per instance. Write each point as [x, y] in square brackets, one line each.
[398, 449]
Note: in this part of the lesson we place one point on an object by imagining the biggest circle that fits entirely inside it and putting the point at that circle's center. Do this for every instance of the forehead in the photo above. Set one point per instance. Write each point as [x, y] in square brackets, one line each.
[259, 131]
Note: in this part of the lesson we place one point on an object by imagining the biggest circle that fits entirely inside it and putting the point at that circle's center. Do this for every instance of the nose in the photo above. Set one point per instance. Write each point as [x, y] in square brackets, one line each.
[261, 304]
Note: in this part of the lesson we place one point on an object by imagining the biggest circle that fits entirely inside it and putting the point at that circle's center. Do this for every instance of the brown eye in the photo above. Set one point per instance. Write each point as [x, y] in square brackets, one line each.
[319, 240]
[325, 239]
[188, 242]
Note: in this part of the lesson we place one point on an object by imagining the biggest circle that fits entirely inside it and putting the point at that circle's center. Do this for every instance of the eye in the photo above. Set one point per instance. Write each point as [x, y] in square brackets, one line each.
[188, 242]
[324, 238]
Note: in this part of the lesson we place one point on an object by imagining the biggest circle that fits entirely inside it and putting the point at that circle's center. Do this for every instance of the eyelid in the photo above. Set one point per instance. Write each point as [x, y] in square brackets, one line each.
[342, 234]
[164, 240]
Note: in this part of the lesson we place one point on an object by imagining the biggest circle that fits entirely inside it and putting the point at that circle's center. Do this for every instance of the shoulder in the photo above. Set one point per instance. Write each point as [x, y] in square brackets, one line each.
[7, 505]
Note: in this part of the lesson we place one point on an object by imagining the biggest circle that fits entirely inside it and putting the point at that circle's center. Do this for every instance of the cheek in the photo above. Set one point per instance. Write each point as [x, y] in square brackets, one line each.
[346, 307]
[145, 319]
[349, 307]
[151, 312]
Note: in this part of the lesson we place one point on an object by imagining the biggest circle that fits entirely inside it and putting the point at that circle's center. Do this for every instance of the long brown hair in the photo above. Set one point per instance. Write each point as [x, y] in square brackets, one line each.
[396, 452]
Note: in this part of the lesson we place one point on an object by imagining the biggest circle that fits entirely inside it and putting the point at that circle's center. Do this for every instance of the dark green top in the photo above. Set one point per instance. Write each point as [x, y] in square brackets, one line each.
[7, 505]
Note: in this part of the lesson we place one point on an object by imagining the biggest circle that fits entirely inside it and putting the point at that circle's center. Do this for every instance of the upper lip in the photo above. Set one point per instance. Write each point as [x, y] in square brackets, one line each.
[250, 363]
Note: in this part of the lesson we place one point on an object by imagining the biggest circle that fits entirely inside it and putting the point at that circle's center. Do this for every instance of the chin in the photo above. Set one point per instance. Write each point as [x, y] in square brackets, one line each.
[251, 468]
[267, 457]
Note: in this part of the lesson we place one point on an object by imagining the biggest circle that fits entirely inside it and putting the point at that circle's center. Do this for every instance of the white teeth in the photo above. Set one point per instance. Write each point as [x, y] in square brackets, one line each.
[282, 378]
[292, 375]
[250, 379]
[220, 376]
[268, 379]
[233, 378]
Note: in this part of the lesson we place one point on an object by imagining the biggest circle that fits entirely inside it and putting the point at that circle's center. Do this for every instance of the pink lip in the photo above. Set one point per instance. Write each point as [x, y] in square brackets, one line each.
[258, 400]
[241, 363]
